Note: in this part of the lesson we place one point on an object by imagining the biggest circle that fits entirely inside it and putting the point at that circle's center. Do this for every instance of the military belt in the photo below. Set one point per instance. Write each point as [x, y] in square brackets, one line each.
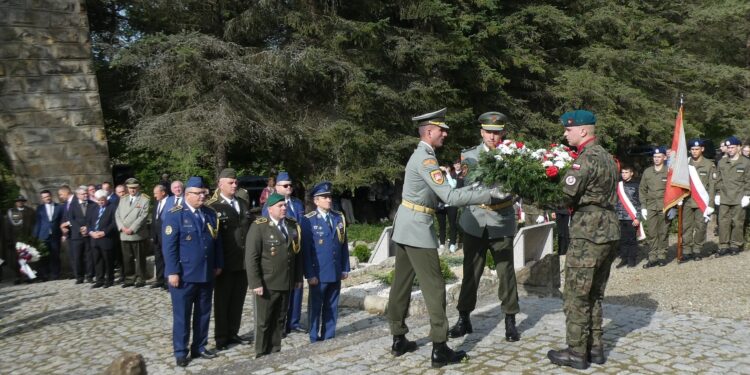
[418, 208]
[498, 206]
[593, 208]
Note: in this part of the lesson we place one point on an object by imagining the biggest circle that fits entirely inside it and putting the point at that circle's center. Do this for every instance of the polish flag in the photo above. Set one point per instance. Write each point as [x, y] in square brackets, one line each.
[678, 176]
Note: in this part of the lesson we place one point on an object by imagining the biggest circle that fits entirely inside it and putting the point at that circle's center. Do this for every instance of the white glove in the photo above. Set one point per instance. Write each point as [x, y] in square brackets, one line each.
[644, 213]
[708, 211]
[540, 219]
[680, 202]
[672, 213]
[745, 201]
[717, 200]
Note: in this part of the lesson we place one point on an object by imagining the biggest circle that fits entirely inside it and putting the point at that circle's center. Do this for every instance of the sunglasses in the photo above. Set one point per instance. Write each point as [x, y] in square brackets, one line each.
[285, 185]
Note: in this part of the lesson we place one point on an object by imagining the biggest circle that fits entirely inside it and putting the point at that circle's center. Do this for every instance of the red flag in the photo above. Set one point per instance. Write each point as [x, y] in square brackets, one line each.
[678, 175]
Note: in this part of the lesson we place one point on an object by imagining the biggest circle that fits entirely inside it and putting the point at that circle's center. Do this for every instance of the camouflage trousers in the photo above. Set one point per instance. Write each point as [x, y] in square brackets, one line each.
[693, 231]
[731, 227]
[586, 273]
[657, 235]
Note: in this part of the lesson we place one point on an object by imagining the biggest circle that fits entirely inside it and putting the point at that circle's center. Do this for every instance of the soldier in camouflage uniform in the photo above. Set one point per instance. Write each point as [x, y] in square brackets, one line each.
[590, 184]
[416, 243]
[733, 194]
[651, 193]
[488, 228]
[694, 219]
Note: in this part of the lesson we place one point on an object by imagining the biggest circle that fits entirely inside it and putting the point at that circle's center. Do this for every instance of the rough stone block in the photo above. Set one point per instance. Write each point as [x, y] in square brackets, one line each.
[10, 119]
[56, 5]
[20, 17]
[2, 70]
[9, 51]
[35, 84]
[23, 68]
[72, 83]
[60, 101]
[69, 35]
[61, 20]
[65, 67]
[65, 135]
[78, 149]
[15, 34]
[71, 51]
[12, 3]
[22, 102]
[540, 277]
[29, 51]
[28, 136]
[45, 153]
[11, 85]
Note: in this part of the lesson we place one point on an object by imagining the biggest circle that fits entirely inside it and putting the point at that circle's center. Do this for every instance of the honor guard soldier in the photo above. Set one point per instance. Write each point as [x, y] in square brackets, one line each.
[590, 186]
[651, 194]
[487, 227]
[192, 259]
[733, 194]
[695, 218]
[416, 243]
[274, 268]
[295, 209]
[233, 214]
[18, 226]
[326, 262]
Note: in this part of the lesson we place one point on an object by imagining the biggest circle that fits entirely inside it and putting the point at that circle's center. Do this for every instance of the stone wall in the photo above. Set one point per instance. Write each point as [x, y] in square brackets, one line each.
[51, 120]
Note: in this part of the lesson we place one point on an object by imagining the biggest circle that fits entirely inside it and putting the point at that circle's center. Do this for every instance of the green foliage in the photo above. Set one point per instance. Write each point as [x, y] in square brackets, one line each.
[365, 232]
[445, 270]
[489, 261]
[362, 252]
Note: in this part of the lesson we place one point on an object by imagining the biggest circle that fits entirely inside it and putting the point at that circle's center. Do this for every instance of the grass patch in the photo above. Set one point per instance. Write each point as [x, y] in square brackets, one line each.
[362, 252]
[365, 232]
[445, 269]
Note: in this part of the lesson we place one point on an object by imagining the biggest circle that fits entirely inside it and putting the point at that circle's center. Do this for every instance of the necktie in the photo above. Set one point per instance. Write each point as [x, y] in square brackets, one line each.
[234, 205]
[282, 228]
[96, 227]
[132, 200]
[177, 201]
[289, 206]
[330, 223]
[159, 208]
[199, 215]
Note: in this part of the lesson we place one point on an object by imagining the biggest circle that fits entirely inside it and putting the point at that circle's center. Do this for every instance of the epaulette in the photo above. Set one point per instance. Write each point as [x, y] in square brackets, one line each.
[175, 208]
[337, 212]
[212, 200]
[311, 214]
[468, 149]
[293, 220]
[146, 196]
[261, 220]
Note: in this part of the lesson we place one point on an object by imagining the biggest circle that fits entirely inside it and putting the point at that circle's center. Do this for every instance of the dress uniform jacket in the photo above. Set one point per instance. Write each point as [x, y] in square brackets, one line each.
[326, 250]
[233, 229]
[425, 186]
[651, 191]
[706, 170]
[190, 247]
[133, 216]
[475, 219]
[733, 180]
[271, 260]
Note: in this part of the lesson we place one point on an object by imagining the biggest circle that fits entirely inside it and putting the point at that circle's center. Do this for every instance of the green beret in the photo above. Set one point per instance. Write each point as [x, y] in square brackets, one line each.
[228, 173]
[493, 121]
[577, 118]
[274, 198]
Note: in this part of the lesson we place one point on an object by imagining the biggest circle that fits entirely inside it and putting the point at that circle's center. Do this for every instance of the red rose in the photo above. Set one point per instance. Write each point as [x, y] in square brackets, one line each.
[553, 145]
[519, 144]
[551, 172]
[573, 155]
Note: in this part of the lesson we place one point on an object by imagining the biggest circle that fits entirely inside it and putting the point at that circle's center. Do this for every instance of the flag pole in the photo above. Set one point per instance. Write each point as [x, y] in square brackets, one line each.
[679, 207]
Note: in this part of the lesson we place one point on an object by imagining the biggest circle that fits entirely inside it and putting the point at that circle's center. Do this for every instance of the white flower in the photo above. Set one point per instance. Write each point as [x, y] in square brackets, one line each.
[560, 164]
[547, 163]
[499, 157]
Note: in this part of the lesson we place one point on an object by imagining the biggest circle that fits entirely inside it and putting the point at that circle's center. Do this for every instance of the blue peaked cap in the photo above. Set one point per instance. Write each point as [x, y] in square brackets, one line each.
[194, 182]
[322, 188]
[283, 176]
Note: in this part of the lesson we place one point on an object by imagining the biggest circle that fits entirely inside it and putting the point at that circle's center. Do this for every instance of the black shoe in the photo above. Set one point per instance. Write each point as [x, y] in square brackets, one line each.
[127, 285]
[685, 259]
[402, 346]
[623, 263]
[596, 355]
[206, 354]
[722, 252]
[89, 280]
[569, 358]
[462, 326]
[182, 362]
[734, 250]
[120, 281]
[107, 285]
[221, 346]
[697, 258]
[79, 281]
[443, 355]
[661, 263]
[298, 330]
[140, 284]
[631, 263]
[511, 333]
[650, 264]
[238, 340]
[157, 285]
[97, 285]
[17, 281]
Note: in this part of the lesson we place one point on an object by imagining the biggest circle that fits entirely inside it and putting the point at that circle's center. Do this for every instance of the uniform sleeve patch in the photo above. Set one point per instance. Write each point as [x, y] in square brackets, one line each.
[437, 176]
[168, 230]
[570, 180]
[429, 162]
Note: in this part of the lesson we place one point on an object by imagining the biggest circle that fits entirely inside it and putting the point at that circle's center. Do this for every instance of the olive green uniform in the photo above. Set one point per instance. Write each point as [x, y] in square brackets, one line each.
[732, 183]
[694, 225]
[18, 226]
[230, 286]
[416, 242]
[273, 262]
[651, 193]
[591, 185]
[487, 228]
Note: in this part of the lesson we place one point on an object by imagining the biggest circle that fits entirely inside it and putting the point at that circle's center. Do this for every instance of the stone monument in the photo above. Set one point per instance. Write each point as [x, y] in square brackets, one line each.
[50, 115]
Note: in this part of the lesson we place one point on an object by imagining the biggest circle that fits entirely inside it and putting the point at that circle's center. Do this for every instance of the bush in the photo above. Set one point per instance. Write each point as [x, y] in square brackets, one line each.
[362, 253]
[444, 269]
[489, 261]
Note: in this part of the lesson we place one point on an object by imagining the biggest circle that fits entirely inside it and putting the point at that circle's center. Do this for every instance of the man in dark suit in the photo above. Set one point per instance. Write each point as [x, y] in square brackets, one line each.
[81, 257]
[193, 258]
[102, 229]
[274, 268]
[234, 218]
[176, 199]
[111, 196]
[160, 194]
[47, 228]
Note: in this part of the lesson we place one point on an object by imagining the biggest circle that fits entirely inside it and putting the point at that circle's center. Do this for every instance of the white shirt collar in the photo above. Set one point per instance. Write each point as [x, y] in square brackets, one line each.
[226, 198]
[190, 207]
[486, 149]
[275, 222]
[323, 213]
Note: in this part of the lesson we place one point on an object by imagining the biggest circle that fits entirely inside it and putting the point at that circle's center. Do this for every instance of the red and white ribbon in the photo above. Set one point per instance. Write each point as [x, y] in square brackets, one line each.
[697, 191]
[629, 208]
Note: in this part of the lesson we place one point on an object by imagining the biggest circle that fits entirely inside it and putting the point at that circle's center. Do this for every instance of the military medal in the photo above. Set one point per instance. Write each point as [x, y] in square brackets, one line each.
[168, 230]
[320, 242]
[188, 238]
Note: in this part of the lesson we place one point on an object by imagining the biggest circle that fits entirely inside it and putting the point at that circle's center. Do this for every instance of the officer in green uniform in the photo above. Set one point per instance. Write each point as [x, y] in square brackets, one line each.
[651, 193]
[18, 226]
[416, 243]
[694, 219]
[590, 184]
[234, 218]
[733, 194]
[487, 228]
[274, 267]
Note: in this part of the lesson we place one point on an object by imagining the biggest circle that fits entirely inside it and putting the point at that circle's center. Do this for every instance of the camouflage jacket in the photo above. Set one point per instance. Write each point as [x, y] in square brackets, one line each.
[591, 187]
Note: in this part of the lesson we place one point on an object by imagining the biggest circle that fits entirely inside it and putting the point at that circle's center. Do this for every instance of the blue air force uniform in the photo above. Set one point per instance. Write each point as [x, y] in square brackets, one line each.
[192, 251]
[326, 257]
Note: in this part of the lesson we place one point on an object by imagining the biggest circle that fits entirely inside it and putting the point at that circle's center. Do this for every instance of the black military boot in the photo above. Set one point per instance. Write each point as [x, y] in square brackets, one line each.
[722, 252]
[623, 263]
[443, 355]
[568, 357]
[462, 326]
[650, 264]
[402, 346]
[511, 333]
[596, 355]
[734, 250]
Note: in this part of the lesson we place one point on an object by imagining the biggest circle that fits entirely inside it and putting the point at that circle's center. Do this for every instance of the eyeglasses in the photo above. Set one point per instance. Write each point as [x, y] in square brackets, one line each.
[197, 193]
[285, 185]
